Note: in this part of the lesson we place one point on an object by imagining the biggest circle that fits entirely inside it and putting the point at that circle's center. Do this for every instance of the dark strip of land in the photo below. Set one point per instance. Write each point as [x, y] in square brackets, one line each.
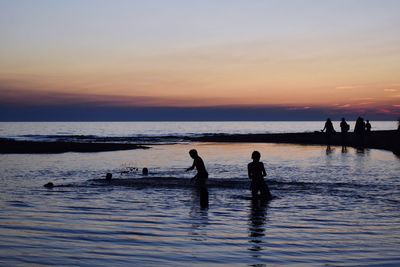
[10, 146]
[388, 140]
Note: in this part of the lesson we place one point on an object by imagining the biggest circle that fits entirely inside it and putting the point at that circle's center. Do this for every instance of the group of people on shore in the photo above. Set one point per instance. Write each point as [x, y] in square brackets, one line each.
[361, 128]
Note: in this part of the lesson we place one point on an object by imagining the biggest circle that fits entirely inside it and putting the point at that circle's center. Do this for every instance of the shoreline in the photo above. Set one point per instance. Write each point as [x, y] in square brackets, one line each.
[386, 140]
[11, 146]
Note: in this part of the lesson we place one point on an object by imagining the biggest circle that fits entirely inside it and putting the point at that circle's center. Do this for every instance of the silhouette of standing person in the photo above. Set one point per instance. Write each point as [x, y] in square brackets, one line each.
[202, 175]
[344, 128]
[368, 127]
[359, 130]
[328, 128]
[256, 172]
[200, 178]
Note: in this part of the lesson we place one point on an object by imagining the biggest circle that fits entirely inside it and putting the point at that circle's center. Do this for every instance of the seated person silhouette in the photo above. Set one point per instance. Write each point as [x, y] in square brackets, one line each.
[202, 175]
[256, 173]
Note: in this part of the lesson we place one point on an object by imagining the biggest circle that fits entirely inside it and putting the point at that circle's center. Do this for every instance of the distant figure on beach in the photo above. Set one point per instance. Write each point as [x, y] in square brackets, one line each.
[108, 176]
[256, 172]
[202, 175]
[344, 128]
[145, 171]
[328, 128]
[359, 130]
[368, 127]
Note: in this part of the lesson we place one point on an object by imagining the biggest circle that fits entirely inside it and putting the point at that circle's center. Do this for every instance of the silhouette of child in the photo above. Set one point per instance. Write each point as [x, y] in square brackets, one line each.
[344, 126]
[256, 173]
[202, 175]
[368, 127]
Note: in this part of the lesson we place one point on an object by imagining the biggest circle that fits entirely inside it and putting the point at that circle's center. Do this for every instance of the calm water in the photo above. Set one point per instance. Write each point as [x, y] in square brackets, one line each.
[331, 208]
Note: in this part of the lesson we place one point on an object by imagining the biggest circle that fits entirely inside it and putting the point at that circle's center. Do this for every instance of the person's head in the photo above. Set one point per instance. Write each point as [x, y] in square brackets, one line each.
[367, 120]
[193, 153]
[343, 119]
[328, 120]
[256, 156]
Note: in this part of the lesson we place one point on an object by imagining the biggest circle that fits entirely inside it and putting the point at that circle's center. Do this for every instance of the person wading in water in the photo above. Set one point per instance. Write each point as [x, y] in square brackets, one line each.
[257, 173]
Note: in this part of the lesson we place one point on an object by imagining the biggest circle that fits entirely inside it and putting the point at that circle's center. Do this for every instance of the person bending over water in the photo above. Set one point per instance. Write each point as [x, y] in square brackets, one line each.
[256, 173]
[202, 175]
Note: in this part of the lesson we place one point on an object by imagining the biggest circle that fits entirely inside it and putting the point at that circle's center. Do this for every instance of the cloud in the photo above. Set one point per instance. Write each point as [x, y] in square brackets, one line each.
[46, 98]
[26, 97]
[366, 103]
[390, 90]
[344, 106]
[299, 108]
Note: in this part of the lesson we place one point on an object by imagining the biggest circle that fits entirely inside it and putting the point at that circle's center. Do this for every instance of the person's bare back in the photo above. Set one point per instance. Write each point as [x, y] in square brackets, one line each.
[256, 172]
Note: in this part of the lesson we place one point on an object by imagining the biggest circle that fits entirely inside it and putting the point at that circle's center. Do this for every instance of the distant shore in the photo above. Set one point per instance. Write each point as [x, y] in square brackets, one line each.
[387, 140]
[10, 146]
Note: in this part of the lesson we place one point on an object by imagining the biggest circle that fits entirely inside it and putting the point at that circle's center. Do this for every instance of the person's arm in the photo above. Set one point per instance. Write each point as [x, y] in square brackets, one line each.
[192, 167]
[249, 171]
[264, 173]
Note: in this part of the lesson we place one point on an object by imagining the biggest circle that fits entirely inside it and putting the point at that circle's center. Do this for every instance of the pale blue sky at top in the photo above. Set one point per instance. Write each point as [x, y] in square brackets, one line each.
[294, 52]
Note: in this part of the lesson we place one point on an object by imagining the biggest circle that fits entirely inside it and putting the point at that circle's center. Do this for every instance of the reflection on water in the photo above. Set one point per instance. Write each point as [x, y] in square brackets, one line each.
[199, 214]
[257, 219]
[336, 209]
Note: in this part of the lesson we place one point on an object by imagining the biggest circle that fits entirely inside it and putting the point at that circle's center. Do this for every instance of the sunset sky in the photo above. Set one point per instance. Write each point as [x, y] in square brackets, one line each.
[338, 57]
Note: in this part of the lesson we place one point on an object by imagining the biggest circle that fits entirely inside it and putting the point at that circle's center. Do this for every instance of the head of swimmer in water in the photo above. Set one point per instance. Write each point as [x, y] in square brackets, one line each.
[256, 156]
[193, 153]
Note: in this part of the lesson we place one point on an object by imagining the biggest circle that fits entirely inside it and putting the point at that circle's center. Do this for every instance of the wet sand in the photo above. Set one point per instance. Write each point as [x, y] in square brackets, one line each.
[9, 146]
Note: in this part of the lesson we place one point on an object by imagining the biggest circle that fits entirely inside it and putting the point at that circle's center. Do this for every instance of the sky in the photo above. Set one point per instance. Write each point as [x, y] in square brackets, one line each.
[281, 59]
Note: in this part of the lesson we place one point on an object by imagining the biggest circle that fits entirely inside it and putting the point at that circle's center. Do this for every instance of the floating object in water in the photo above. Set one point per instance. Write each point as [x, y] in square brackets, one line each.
[49, 185]
[108, 176]
[145, 171]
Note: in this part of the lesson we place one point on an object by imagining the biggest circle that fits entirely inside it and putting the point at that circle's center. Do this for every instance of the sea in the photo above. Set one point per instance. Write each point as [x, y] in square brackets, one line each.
[331, 207]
